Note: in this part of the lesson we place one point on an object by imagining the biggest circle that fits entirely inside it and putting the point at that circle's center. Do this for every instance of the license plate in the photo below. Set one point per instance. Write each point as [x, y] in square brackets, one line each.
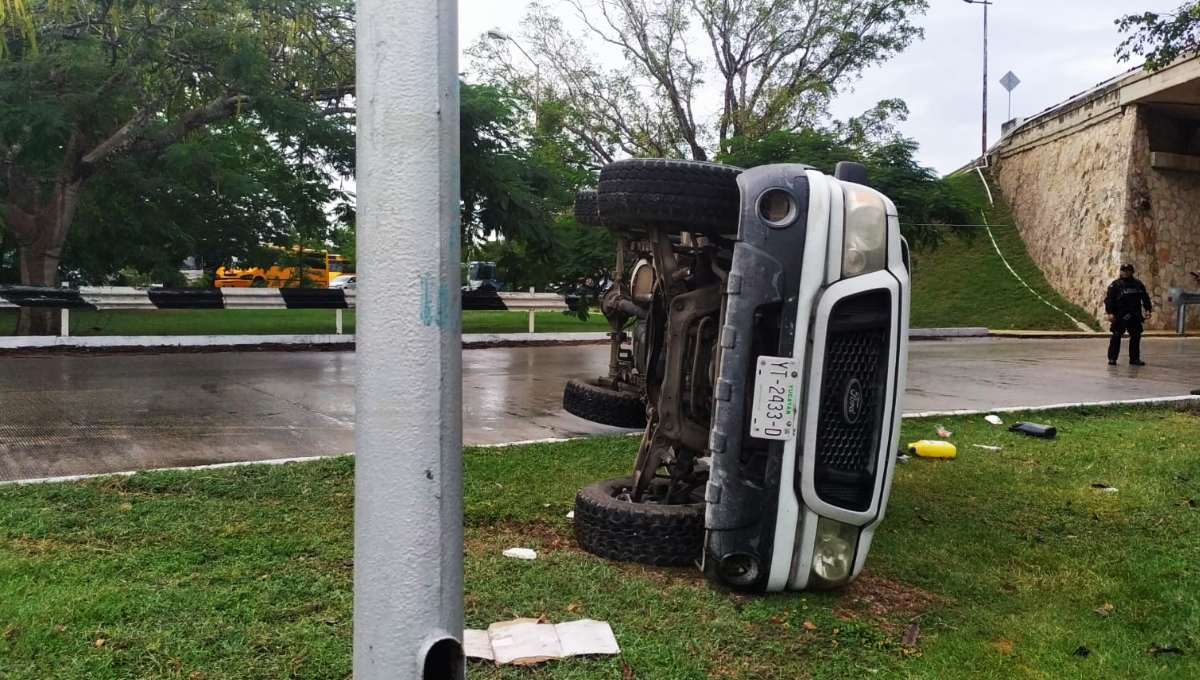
[776, 399]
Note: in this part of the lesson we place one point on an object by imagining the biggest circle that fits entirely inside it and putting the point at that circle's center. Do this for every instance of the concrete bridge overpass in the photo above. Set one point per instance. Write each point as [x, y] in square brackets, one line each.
[1111, 175]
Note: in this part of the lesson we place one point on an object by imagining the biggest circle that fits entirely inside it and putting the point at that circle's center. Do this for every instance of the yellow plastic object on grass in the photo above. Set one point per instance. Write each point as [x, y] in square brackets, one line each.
[933, 449]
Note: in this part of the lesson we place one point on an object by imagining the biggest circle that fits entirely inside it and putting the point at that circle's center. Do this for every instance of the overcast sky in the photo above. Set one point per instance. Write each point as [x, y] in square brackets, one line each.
[1057, 48]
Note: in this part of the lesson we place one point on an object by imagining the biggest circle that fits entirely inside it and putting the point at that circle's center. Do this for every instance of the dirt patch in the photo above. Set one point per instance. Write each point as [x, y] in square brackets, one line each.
[664, 577]
[540, 536]
[885, 600]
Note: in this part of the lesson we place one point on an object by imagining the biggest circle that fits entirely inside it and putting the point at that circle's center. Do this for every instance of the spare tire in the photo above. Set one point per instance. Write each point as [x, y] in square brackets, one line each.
[645, 533]
[587, 211]
[591, 401]
[691, 194]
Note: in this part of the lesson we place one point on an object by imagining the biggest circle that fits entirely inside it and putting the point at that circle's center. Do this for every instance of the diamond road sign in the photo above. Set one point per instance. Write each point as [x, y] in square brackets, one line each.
[1010, 81]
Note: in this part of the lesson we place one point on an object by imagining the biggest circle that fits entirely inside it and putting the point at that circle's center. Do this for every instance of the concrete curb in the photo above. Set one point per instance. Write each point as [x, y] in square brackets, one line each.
[1151, 401]
[930, 333]
[1074, 335]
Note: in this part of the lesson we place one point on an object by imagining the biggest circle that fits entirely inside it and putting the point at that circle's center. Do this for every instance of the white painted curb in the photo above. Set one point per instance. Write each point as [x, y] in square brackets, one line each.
[1054, 407]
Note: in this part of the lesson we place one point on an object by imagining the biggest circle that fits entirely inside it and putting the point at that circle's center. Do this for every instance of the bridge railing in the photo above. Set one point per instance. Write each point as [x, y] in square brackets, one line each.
[1180, 299]
[120, 298]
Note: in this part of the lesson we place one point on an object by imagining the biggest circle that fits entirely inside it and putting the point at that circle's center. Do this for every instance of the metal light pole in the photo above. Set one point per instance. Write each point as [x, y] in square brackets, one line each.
[985, 4]
[497, 34]
[408, 538]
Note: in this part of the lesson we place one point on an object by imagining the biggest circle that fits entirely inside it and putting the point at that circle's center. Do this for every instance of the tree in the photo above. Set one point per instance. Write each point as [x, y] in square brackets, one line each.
[99, 89]
[1160, 37]
[223, 192]
[770, 65]
[518, 189]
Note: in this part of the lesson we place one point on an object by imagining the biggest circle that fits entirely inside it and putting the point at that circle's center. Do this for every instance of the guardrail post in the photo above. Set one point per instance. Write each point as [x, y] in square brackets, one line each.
[532, 315]
[64, 317]
[338, 321]
[408, 535]
[1181, 319]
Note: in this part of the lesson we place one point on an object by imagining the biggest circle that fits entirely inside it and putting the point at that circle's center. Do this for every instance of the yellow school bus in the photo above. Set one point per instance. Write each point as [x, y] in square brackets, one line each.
[287, 268]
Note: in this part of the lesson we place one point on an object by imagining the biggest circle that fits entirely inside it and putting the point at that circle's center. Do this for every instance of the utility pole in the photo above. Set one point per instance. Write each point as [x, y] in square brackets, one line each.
[985, 4]
[499, 35]
[408, 533]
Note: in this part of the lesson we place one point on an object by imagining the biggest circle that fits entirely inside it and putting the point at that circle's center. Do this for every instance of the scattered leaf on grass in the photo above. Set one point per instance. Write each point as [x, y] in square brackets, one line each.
[809, 625]
[125, 507]
[1100, 486]
[100, 642]
[626, 670]
[1103, 612]
[910, 639]
[1083, 652]
[60, 629]
[574, 606]
[778, 621]
[196, 676]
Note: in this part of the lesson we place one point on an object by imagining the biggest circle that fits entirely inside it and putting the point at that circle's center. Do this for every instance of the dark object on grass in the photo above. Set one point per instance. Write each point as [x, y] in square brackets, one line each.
[1083, 652]
[1155, 650]
[1034, 430]
[910, 639]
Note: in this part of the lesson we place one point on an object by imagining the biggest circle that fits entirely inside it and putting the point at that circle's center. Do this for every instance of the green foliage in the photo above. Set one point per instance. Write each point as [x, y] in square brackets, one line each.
[225, 190]
[162, 127]
[518, 190]
[922, 199]
[1160, 37]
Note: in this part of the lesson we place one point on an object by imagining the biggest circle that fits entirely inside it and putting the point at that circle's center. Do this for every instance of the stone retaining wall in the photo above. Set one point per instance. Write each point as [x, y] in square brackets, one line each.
[1088, 201]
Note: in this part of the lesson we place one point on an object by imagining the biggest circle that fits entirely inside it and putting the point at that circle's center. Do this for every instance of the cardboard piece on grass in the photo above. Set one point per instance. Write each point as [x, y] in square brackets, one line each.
[528, 641]
[523, 641]
[477, 645]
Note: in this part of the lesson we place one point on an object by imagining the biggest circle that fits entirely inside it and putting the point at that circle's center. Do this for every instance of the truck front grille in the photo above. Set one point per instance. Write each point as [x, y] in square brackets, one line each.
[853, 392]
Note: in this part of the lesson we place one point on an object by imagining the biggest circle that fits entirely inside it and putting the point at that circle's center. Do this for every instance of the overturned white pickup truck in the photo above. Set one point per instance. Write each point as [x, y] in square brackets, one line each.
[760, 334]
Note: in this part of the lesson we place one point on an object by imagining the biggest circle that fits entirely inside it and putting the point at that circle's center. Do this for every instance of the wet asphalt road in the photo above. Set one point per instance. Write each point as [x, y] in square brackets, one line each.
[85, 415]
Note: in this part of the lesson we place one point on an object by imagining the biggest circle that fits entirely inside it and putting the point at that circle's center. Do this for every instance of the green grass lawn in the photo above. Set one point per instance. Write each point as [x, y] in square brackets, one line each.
[287, 322]
[964, 282]
[1001, 558]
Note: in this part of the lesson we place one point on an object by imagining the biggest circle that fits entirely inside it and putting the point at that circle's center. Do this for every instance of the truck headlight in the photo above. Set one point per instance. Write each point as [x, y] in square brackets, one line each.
[864, 243]
[834, 551]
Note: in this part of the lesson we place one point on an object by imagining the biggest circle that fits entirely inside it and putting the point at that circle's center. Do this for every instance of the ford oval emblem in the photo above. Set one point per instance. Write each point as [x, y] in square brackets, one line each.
[852, 402]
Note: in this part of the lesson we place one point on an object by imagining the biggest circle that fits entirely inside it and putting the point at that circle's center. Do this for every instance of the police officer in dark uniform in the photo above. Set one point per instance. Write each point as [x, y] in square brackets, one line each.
[1124, 303]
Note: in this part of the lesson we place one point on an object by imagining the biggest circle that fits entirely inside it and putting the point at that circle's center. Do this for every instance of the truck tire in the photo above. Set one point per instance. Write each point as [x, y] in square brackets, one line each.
[590, 401]
[645, 533]
[690, 194]
[587, 211]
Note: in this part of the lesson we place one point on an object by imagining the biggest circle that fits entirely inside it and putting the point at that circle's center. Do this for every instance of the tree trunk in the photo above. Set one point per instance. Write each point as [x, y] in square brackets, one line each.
[7, 245]
[39, 267]
[40, 237]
